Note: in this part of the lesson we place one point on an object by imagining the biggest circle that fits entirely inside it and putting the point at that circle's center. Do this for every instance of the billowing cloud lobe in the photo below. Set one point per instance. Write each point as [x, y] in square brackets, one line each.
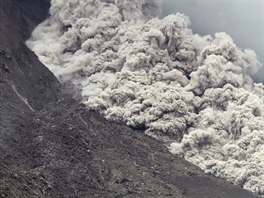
[192, 92]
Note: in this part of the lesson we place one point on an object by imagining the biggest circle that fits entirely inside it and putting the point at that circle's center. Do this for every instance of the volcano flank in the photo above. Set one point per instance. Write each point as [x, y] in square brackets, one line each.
[52, 145]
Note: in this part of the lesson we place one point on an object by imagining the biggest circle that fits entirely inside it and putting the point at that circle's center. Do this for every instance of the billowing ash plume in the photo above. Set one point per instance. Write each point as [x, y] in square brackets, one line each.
[155, 74]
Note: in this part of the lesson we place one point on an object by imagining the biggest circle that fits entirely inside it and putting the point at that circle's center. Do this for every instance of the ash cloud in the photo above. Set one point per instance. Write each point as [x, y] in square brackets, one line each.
[243, 20]
[192, 92]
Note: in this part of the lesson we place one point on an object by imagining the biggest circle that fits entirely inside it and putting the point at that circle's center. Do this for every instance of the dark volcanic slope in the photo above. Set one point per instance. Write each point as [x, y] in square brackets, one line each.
[51, 146]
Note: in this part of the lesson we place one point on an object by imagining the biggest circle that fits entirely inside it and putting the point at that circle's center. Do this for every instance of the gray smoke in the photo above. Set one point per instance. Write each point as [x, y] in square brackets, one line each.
[243, 20]
[193, 92]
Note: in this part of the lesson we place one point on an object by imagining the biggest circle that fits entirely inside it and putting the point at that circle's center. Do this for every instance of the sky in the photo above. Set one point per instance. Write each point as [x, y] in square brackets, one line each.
[242, 19]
